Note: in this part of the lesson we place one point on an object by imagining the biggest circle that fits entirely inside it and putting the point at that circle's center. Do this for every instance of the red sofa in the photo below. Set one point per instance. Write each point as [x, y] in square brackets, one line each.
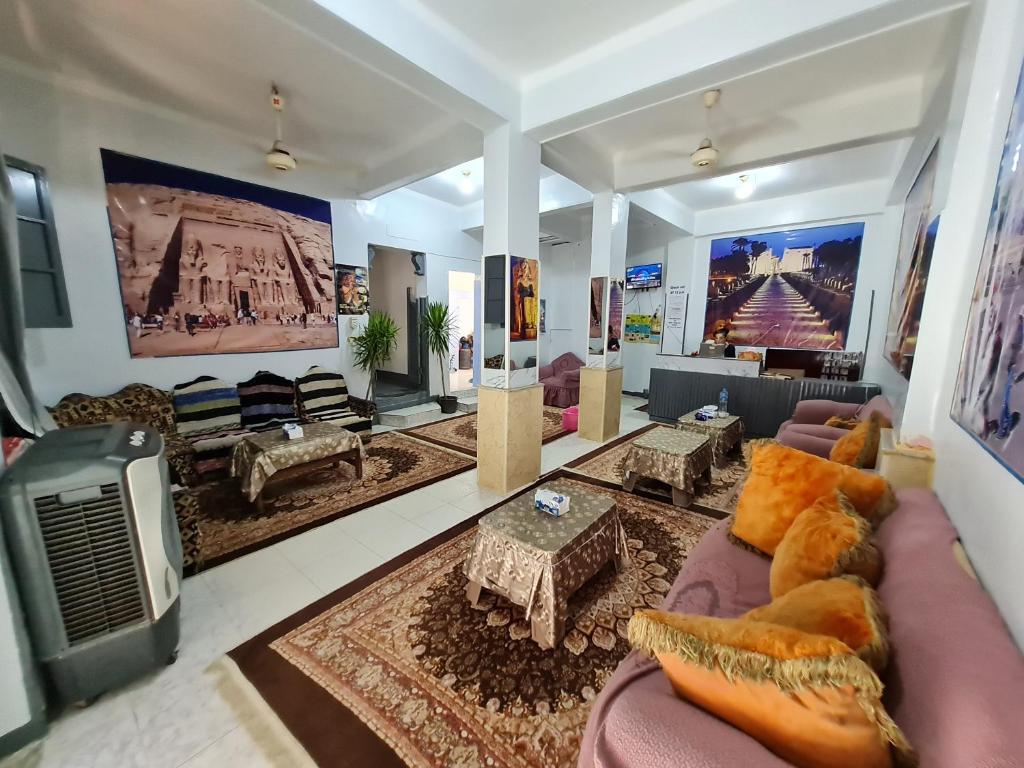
[561, 380]
[807, 432]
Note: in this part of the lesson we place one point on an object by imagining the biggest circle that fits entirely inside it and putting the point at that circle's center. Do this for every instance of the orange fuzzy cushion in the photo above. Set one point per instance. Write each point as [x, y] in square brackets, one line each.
[859, 448]
[806, 697]
[845, 608]
[827, 539]
[783, 482]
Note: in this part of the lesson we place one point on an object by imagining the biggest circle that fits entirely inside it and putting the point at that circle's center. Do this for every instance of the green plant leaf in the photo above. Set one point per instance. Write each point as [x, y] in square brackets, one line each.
[373, 347]
[438, 327]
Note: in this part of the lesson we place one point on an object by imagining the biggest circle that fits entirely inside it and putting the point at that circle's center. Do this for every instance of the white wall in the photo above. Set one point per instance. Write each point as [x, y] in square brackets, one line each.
[565, 283]
[391, 277]
[985, 502]
[62, 131]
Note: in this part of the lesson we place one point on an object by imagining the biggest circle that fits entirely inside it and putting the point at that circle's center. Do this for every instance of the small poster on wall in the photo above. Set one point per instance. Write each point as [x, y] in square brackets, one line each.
[353, 289]
[524, 309]
[596, 332]
[543, 315]
[676, 299]
[643, 329]
[211, 265]
[616, 292]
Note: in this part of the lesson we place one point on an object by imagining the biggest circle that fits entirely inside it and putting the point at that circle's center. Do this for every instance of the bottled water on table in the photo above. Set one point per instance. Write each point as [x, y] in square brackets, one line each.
[723, 403]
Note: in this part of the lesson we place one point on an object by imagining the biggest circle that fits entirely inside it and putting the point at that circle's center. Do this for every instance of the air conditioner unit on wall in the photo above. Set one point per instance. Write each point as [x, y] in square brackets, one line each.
[93, 539]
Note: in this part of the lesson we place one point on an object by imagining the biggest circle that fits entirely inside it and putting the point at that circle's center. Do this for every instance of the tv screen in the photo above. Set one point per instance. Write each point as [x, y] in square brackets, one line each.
[644, 276]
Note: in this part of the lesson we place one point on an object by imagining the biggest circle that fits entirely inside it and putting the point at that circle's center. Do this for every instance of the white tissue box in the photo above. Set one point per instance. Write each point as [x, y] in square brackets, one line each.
[292, 431]
[552, 502]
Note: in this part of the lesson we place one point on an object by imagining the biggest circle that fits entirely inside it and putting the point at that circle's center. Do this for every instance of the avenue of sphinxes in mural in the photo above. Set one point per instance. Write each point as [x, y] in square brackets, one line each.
[203, 272]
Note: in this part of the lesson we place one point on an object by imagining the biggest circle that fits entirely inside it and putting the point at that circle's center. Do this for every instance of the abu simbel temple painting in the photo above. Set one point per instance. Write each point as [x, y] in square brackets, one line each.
[211, 265]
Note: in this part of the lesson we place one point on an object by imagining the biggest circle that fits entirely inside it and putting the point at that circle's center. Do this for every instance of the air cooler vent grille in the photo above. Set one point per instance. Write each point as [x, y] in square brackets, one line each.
[92, 563]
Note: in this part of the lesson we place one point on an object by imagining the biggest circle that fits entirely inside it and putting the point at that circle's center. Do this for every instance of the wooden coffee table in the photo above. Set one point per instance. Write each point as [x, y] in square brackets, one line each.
[266, 457]
[537, 561]
[673, 456]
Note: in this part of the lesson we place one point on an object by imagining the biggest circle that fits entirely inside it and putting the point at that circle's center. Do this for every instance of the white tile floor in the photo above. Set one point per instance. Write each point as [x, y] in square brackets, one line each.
[176, 717]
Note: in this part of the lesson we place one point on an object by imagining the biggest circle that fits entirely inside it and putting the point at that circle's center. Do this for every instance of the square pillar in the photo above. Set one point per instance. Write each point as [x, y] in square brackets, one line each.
[510, 400]
[600, 403]
[605, 325]
[508, 437]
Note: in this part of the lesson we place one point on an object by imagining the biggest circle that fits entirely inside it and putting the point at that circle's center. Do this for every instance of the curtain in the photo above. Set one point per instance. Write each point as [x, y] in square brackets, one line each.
[15, 386]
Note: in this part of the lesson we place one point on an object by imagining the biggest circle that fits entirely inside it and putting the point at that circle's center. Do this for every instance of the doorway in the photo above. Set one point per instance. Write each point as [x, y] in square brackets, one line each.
[397, 289]
[461, 302]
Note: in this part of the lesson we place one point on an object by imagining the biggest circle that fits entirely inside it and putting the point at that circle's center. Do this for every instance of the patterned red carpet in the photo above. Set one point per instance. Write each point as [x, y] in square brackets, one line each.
[398, 669]
[231, 526]
[459, 433]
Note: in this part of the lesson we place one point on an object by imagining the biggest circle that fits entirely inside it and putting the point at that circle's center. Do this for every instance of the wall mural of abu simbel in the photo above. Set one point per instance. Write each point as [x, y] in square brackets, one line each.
[211, 265]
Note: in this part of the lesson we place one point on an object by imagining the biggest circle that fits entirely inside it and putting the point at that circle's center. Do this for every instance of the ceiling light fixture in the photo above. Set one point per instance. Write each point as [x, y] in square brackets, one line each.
[746, 187]
[466, 186]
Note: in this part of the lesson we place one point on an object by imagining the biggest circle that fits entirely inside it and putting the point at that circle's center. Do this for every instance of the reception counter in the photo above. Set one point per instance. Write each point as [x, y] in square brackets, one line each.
[762, 403]
[726, 366]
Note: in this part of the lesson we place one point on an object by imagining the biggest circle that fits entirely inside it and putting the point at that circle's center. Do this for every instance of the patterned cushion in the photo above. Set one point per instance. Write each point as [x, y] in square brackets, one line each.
[268, 401]
[139, 403]
[351, 421]
[205, 405]
[322, 394]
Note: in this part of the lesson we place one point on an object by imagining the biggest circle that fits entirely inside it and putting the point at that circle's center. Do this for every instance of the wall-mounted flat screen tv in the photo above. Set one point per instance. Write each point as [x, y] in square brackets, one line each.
[644, 276]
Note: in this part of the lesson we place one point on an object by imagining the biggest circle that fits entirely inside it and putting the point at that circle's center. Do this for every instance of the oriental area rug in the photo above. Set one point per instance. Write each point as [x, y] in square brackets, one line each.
[605, 465]
[398, 669]
[230, 526]
[459, 433]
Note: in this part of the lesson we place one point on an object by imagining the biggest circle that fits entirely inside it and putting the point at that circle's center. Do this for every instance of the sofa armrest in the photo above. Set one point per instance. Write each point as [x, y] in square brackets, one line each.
[818, 411]
[365, 408]
[573, 375]
[181, 455]
[546, 371]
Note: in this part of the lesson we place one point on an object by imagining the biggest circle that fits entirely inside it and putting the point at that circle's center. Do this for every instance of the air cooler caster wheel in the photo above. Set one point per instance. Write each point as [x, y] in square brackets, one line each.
[173, 657]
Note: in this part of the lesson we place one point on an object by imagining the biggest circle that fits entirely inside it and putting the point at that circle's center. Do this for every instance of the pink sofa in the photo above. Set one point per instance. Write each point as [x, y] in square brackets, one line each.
[955, 682]
[807, 432]
[561, 380]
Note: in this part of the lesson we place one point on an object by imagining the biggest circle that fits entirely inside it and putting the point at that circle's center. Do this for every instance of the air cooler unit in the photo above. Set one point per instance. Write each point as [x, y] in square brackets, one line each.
[94, 542]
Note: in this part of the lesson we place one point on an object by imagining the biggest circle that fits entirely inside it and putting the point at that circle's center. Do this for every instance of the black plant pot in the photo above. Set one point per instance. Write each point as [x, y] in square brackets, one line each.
[449, 403]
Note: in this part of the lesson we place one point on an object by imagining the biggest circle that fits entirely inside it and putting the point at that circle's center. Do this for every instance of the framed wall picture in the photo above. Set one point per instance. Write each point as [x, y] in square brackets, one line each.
[595, 333]
[543, 315]
[989, 397]
[913, 260]
[524, 309]
[353, 289]
[211, 265]
[791, 289]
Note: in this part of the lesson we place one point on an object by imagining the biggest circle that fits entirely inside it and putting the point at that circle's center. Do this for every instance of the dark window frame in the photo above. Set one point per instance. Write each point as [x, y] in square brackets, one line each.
[63, 319]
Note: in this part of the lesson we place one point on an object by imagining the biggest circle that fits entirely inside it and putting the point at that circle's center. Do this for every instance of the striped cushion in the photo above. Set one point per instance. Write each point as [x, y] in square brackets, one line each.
[268, 401]
[351, 421]
[206, 404]
[321, 393]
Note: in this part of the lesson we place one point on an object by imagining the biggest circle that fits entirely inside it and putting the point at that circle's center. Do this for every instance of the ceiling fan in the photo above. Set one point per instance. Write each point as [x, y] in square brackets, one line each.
[706, 156]
[278, 157]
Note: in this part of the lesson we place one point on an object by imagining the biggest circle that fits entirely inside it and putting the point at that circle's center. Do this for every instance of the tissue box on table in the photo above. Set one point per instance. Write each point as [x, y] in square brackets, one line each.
[292, 431]
[552, 502]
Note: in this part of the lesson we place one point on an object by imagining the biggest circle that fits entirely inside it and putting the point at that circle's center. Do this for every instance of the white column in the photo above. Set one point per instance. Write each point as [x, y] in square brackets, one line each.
[510, 416]
[511, 230]
[607, 261]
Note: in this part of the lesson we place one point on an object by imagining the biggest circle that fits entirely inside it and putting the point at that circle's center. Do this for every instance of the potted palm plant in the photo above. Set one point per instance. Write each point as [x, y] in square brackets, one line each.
[438, 325]
[373, 347]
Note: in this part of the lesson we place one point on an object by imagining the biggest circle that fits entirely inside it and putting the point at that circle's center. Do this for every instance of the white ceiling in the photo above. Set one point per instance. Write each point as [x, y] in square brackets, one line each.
[785, 110]
[523, 37]
[215, 61]
[447, 185]
[807, 174]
